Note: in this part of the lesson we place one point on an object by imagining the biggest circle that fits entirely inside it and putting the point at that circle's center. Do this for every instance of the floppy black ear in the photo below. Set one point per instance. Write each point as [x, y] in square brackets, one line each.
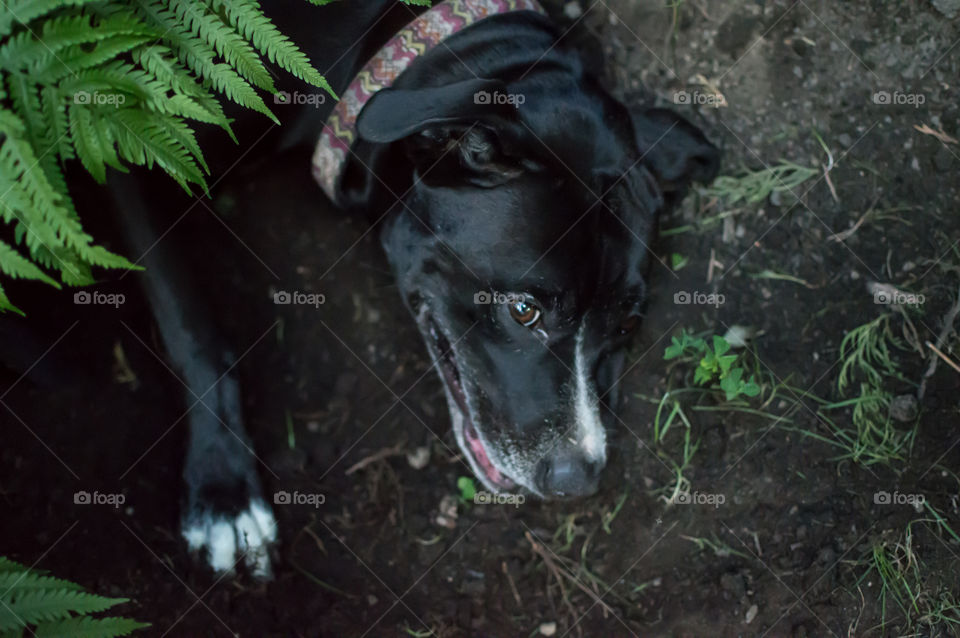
[393, 114]
[674, 150]
[455, 133]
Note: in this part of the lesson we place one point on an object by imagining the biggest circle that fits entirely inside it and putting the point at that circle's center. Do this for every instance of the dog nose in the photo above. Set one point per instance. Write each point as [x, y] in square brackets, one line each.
[567, 474]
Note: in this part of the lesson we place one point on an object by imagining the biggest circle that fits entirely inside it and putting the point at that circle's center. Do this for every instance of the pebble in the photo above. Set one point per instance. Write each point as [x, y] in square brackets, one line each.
[735, 584]
[548, 628]
[418, 458]
[904, 408]
[737, 335]
[572, 10]
[448, 512]
[943, 159]
[751, 614]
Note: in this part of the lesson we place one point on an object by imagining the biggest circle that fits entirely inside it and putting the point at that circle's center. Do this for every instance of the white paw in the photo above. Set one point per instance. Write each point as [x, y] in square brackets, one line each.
[228, 540]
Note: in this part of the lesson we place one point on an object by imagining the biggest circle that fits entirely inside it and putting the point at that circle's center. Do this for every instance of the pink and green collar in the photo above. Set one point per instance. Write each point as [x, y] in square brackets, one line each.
[422, 34]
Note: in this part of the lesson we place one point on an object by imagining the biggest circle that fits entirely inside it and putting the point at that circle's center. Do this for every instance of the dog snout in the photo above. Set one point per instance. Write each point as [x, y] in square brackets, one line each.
[567, 474]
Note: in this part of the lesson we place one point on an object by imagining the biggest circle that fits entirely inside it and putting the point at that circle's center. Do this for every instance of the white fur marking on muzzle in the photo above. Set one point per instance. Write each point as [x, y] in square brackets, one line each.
[590, 435]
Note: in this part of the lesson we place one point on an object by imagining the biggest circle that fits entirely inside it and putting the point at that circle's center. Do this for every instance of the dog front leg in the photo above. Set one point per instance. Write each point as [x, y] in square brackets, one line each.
[224, 517]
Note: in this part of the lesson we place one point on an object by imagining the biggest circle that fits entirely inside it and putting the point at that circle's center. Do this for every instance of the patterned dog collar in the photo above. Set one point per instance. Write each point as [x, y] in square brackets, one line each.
[425, 32]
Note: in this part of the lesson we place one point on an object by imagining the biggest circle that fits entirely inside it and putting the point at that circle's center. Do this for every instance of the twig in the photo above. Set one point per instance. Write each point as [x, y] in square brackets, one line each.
[513, 585]
[713, 264]
[846, 234]
[948, 320]
[559, 570]
[387, 452]
[945, 358]
[940, 135]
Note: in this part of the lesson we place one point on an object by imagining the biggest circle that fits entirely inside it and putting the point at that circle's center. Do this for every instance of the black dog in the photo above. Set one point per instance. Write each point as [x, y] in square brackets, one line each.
[518, 230]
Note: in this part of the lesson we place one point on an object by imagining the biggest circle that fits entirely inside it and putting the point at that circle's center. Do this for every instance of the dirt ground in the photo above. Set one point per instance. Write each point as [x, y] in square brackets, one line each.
[786, 553]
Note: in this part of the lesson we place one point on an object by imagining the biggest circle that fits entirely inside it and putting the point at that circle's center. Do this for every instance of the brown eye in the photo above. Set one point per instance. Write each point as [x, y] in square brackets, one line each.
[629, 324]
[525, 313]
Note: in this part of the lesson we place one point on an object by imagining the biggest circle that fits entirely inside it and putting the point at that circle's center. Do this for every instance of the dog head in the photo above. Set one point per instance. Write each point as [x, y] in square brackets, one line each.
[519, 239]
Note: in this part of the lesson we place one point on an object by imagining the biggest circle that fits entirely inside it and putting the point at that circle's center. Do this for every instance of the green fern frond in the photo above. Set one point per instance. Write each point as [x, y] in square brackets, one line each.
[19, 160]
[113, 83]
[23, 579]
[226, 42]
[32, 607]
[148, 138]
[15, 265]
[86, 627]
[23, 11]
[25, 99]
[200, 57]
[246, 17]
[46, 606]
[26, 51]
[7, 306]
[44, 219]
[56, 117]
[7, 565]
[171, 73]
[77, 58]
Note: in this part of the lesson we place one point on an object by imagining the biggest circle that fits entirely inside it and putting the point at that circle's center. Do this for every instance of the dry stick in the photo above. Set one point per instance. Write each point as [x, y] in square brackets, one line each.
[552, 569]
[844, 235]
[513, 585]
[948, 320]
[555, 569]
[946, 359]
[387, 452]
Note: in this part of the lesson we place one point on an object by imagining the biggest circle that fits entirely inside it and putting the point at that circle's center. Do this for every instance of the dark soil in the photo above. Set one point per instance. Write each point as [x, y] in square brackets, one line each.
[328, 387]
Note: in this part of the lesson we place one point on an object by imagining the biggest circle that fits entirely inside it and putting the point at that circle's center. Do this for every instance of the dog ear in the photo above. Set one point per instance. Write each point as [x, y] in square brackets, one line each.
[675, 151]
[452, 133]
[393, 114]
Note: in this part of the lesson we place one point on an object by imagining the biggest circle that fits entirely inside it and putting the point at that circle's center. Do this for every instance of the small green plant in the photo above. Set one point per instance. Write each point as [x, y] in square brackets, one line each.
[754, 187]
[467, 489]
[867, 362]
[867, 353]
[715, 545]
[46, 607]
[608, 516]
[721, 383]
[714, 365]
[928, 607]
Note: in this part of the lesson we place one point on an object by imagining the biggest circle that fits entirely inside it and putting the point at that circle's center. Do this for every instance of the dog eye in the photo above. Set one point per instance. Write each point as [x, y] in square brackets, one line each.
[629, 324]
[525, 313]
